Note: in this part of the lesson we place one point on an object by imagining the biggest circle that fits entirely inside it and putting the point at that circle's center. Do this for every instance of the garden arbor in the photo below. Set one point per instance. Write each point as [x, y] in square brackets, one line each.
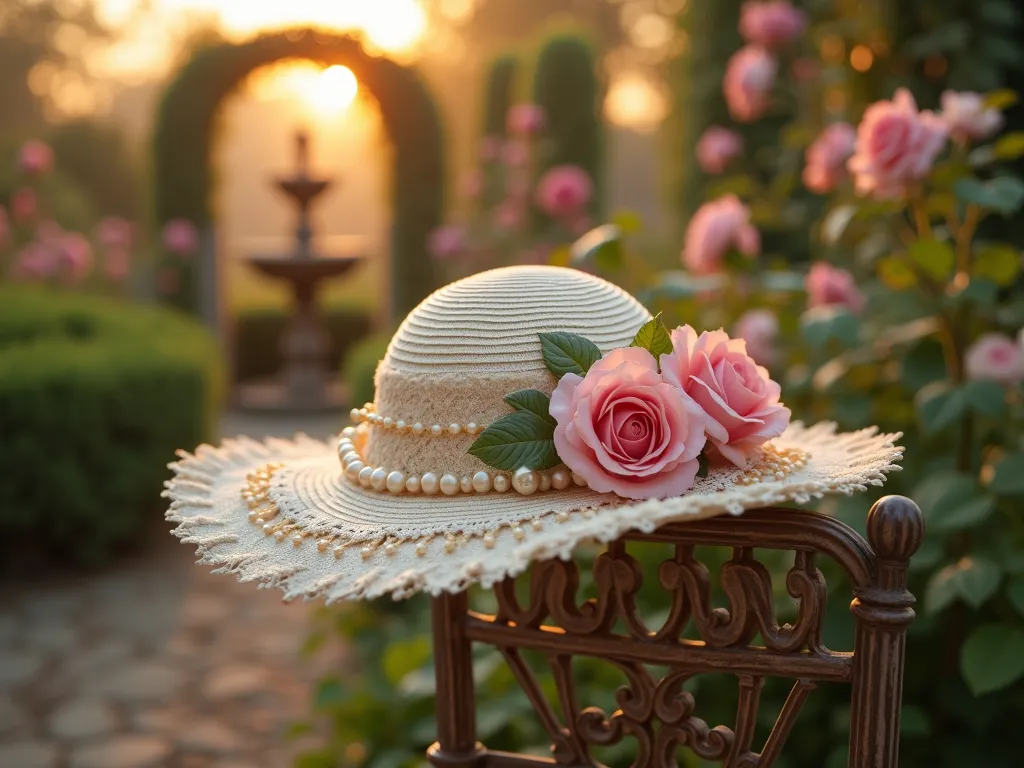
[185, 135]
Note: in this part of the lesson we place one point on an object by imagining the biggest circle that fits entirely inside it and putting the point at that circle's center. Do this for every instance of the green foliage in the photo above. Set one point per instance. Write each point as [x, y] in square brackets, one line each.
[184, 136]
[565, 85]
[568, 353]
[653, 336]
[992, 657]
[257, 336]
[532, 400]
[360, 365]
[95, 397]
[518, 439]
[499, 94]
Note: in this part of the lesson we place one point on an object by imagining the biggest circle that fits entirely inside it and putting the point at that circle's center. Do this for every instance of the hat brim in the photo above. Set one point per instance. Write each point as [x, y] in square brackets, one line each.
[401, 545]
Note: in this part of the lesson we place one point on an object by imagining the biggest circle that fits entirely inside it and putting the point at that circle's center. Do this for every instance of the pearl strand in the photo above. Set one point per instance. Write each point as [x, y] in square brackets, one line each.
[367, 415]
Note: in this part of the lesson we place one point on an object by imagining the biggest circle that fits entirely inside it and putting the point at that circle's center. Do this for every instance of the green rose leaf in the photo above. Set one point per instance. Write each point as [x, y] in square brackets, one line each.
[985, 397]
[520, 439]
[940, 406]
[1009, 146]
[653, 336]
[1004, 194]
[1001, 99]
[998, 263]
[568, 353]
[991, 659]
[1008, 475]
[972, 579]
[952, 502]
[1015, 592]
[895, 274]
[532, 400]
[933, 257]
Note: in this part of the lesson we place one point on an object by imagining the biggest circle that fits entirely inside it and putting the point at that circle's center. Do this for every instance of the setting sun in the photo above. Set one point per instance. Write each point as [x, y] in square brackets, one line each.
[335, 90]
[320, 93]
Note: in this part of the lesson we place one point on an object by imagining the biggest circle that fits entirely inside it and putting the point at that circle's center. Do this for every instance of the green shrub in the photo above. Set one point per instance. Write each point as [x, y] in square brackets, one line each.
[95, 396]
[361, 364]
[498, 94]
[258, 335]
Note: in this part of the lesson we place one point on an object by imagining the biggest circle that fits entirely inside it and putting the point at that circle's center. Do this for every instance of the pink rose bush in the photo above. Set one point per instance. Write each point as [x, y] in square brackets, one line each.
[179, 236]
[526, 119]
[114, 232]
[967, 118]
[717, 148]
[23, 204]
[749, 79]
[564, 191]
[771, 24]
[737, 395]
[35, 158]
[625, 430]
[826, 158]
[896, 146]
[995, 357]
[715, 229]
[759, 328]
[829, 286]
[637, 421]
[447, 242]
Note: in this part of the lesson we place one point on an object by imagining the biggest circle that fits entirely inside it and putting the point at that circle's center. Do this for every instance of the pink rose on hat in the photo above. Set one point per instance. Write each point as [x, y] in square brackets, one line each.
[625, 430]
[749, 79]
[738, 396]
[896, 146]
[715, 229]
[995, 357]
[716, 148]
[826, 158]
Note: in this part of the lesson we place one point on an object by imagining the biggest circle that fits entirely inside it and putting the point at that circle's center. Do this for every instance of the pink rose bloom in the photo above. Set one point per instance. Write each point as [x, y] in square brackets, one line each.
[829, 286]
[74, 256]
[966, 116]
[717, 148]
[23, 204]
[994, 357]
[35, 157]
[34, 262]
[896, 146]
[564, 191]
[114, 232]
[117, 264]
[716, 228]
[827, 156]
[179, 236]
[771, 24]
[515, 153]
[526, 120]
[759, 328]
[740, 399]
[490, 148]
[749, 78]
[447, 242]
[5, 227]
[625, 430]
[509, 215]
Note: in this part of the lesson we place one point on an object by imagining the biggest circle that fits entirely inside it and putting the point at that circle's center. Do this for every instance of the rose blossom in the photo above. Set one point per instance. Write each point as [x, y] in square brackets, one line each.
[896, 146]
[826, 158]
[994, 357]
[829, 286]
[715, 228]
[33, 262]
[74, 256]
[114, 232]
[771, 24]
[966, 116]
[564, 191]
[179, 236]
[717, 148]
[23, 204]
[447, 242]
[758, 328]
[35, 157]
[515, 153]
[625, 430]
[526, 119]
[749, 77]
[740, 399]
[509, 215]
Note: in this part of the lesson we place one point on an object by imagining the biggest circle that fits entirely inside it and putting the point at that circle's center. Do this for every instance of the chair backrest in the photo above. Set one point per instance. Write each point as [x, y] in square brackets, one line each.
[658, 713]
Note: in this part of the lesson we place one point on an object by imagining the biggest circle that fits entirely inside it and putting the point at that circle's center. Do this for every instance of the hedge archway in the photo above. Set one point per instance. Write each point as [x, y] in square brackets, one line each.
[185, 135]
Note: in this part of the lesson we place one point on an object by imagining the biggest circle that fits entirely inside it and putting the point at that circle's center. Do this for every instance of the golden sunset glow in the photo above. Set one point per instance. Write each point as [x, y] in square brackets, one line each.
[321, 94]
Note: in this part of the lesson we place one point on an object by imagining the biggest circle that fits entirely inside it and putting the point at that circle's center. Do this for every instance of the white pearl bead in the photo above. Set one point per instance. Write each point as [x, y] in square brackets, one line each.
[348, 432]
[395, 481]
[536, 524]
[482, 482]
[489, 540]
[588, 514]
[366, 552]
[259, 521]
[338, 551]
[560, 479]
[562, 516]
[349, 457]
[421, 548]
[354, 414]
[436, 430]
[323, 544]
[449, 484]
[501, 483]
[471, 428]
[526, 481]
[518, 533]
[253, 516]
[545, 482]
[390, 549]
[412, 484]
[363, 413]
[579, 480]
[417, 428]
[279, 535]
[364, 476]
[400, 425]
[466, 484]
[454, 429]
[429, 483]
[388, 422]
[297, 539]
[268, 529]
[378, 479]
[352, 470]
[449, 546]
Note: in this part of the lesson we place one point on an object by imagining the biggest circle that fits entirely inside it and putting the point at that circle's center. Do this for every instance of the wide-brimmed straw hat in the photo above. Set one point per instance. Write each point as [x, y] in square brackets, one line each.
[423, 491]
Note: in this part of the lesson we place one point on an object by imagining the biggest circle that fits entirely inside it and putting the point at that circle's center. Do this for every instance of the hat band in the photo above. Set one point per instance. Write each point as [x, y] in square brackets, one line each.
[524, 480]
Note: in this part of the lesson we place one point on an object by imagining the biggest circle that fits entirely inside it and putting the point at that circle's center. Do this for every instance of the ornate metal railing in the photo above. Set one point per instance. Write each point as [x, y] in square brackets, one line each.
[658, 713]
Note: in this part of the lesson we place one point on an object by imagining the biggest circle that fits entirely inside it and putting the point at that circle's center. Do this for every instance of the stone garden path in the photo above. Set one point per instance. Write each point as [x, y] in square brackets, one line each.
[155, 661]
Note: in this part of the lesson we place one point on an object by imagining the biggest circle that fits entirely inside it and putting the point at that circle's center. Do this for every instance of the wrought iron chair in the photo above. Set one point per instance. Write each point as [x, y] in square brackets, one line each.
[658, 713]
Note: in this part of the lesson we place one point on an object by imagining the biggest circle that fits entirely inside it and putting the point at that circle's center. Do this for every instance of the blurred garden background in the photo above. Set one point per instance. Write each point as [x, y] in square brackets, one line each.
[839, 182]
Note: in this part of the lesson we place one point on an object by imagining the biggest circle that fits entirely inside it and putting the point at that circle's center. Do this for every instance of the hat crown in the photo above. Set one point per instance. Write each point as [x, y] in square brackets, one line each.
[489, 323]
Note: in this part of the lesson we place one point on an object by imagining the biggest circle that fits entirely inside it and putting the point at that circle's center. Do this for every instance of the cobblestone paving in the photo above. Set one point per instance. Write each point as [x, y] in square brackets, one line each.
[154, 662]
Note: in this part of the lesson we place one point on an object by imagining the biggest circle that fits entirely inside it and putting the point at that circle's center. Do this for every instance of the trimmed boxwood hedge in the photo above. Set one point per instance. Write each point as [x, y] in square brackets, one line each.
[95, 396]
[360, 366]
[257, 339]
